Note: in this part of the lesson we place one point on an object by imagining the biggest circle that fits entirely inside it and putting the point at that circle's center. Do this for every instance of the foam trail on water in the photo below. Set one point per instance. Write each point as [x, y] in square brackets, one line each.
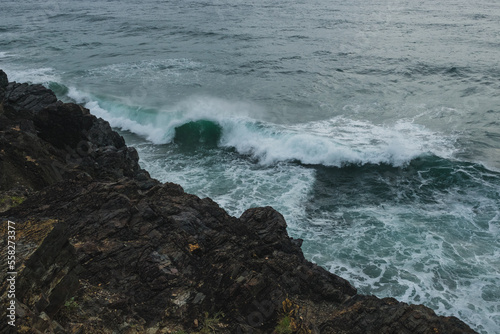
[151, 70]
[44, 75]
[427, 234]
[234, 183]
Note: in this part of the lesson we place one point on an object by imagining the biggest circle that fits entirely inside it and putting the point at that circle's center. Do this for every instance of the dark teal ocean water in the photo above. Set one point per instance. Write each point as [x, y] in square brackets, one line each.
[373, 126]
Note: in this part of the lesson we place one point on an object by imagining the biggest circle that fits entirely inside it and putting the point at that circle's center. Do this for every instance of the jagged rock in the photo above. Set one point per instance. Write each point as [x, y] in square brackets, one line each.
[101, 132]
[4, 81]
[103, 248]
[368, 314]
[57, 141]
[26, 96]
[64, 124]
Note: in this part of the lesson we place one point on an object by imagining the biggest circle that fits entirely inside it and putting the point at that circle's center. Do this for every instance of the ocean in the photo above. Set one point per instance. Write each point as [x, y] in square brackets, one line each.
[373, 126]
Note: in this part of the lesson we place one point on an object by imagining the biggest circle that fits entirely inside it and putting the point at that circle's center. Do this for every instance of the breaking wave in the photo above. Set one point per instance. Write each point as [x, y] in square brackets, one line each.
[334, 142]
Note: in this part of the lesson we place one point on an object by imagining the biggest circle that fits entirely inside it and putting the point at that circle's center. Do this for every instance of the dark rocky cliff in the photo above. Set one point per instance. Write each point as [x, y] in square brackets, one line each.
[102, 247]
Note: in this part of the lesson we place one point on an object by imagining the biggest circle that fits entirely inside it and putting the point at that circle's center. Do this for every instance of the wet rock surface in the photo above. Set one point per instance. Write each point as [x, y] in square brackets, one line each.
[103, 248]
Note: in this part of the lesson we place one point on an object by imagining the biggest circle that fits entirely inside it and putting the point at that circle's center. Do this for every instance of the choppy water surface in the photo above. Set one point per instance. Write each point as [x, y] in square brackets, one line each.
[373, 126]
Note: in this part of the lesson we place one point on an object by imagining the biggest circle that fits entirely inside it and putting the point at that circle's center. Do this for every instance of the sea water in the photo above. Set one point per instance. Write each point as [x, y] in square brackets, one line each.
[372, 126]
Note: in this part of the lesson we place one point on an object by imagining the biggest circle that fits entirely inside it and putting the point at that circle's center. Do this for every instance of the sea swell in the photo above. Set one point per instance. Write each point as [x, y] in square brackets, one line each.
[338, 141]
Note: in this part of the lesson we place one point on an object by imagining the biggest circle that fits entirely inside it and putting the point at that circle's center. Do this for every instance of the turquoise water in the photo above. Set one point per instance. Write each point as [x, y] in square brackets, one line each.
[373, 126]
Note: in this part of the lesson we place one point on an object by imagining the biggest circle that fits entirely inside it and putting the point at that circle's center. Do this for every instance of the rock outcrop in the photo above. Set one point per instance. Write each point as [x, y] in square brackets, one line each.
[53, 141]
[101, 247]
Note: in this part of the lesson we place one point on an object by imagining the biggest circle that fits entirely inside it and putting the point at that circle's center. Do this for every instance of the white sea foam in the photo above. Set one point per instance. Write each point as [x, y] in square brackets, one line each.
[43, 75]
[335, 142]
[332, 142]
[151, 71]
[440, 255]
[148, 131]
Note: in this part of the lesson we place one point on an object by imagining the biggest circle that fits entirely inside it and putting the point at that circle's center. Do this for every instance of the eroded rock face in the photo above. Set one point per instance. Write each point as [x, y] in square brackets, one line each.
[45, 141]
[103, 248]
[30, 97]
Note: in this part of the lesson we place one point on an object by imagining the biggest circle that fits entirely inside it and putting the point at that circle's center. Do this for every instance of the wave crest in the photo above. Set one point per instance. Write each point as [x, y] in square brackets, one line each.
[334, 142]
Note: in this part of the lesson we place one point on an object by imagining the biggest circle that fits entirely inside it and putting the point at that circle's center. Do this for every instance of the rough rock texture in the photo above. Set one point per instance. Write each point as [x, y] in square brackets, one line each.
[53, 141]
[103, 248]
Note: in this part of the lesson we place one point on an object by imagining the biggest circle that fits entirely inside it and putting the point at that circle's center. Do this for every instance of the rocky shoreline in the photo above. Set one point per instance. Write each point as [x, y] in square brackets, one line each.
[101, 247]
